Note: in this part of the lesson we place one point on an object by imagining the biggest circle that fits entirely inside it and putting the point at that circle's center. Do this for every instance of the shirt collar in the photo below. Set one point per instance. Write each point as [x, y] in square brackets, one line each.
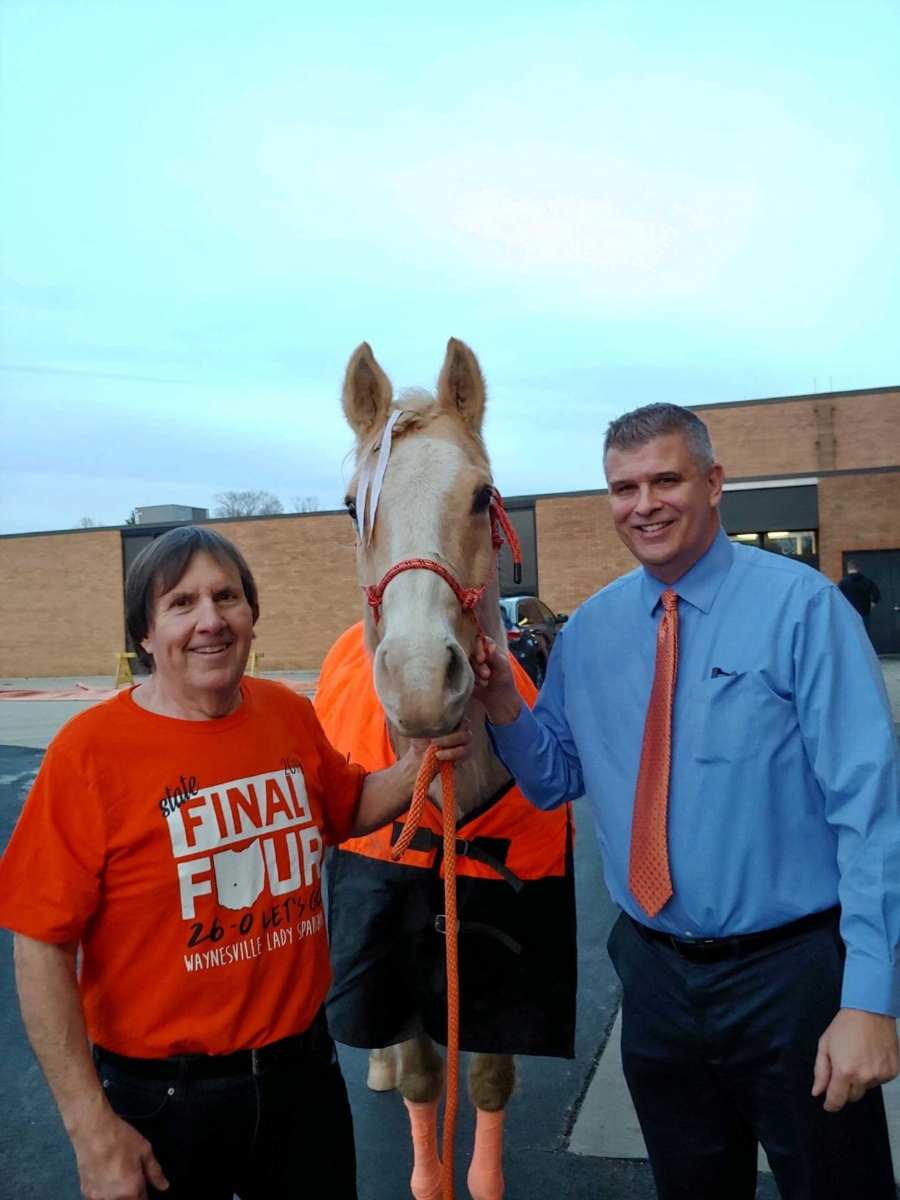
[699, 585]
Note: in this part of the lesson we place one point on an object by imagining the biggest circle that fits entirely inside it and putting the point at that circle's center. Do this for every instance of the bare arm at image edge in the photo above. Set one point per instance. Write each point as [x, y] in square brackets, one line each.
[114, 1160]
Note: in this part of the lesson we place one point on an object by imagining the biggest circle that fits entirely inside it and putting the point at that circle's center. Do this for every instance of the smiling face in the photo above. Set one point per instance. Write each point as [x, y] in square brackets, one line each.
[665, 508]
[200, 632]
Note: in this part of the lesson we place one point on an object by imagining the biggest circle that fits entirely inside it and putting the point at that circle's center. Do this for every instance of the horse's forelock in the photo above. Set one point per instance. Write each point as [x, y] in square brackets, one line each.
[416, 400]
[419, 408]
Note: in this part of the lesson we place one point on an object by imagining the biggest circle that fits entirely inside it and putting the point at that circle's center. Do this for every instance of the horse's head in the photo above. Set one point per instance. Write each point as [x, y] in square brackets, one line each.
[432, 502]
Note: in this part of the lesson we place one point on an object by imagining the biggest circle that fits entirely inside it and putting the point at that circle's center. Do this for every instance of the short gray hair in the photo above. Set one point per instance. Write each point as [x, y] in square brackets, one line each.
[645, 424]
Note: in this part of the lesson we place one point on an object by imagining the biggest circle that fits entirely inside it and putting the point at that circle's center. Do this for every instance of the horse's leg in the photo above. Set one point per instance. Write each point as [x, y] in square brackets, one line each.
[491, 1081]
[382, 1075]
[420, 1081]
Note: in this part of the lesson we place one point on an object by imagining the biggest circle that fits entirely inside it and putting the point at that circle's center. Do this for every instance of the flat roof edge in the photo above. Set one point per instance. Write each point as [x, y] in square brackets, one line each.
[876, 391]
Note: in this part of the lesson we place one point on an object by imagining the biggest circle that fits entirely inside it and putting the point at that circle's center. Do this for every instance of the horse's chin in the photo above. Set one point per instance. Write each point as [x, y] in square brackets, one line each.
[412, 724]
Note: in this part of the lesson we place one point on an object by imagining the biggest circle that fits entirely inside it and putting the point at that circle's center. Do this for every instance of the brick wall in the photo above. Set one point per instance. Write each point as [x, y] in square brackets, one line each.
[61, 604]
[867, 431]
[61, 594]
[828, 433]
[62, 608]
[857, 512]
[578, 549]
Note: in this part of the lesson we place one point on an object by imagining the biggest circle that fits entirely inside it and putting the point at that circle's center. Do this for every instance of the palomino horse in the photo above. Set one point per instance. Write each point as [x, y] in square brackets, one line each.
[426, 515]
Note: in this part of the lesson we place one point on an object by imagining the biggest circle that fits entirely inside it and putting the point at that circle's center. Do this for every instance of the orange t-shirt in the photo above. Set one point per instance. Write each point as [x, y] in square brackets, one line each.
[185, 857]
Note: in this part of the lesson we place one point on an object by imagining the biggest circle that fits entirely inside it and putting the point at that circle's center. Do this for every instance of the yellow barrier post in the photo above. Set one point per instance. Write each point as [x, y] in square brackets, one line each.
[253, 663]
[123, 667]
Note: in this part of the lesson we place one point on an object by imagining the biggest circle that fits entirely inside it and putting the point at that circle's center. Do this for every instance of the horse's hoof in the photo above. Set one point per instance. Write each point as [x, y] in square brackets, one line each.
[382, 1075]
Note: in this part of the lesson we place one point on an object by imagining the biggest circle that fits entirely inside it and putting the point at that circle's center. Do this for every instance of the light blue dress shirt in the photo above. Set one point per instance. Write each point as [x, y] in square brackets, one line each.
[784, 796]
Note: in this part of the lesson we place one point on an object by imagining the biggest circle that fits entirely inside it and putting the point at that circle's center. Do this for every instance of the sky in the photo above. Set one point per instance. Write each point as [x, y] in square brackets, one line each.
[205, 205]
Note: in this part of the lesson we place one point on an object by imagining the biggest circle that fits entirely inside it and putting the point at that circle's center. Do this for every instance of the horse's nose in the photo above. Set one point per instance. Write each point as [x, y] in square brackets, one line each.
[424, 684]
[456, 669]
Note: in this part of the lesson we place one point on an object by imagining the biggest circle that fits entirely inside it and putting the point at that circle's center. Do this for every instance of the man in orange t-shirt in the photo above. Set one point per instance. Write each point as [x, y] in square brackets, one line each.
[175, 835]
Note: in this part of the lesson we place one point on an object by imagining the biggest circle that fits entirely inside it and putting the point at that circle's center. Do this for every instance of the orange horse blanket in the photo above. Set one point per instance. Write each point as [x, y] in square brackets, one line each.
[515, 899]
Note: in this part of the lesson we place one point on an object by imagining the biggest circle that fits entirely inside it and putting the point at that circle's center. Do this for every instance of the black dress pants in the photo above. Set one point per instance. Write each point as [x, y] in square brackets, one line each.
[719, 1056]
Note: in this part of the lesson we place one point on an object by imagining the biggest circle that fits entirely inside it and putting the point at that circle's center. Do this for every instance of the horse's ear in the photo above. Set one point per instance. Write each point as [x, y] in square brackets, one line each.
[461, 385]
[367, 392]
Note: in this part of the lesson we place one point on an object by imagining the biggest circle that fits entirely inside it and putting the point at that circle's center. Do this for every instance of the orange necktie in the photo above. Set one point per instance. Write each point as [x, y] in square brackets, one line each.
[648, 876]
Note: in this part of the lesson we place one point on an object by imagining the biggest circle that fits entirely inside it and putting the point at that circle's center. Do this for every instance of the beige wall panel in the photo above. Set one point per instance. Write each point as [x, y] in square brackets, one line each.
[61, 607]
[578, 549]
[765, 439]
[857, 512]
[836, 433]
[867, 431]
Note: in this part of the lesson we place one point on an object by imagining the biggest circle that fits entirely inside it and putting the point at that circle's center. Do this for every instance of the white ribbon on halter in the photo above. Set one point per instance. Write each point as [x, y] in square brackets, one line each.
[366, 474]
[361, 496]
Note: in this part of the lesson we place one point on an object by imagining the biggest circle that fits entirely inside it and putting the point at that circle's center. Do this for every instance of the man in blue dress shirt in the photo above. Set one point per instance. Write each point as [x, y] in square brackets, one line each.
[759, 1002]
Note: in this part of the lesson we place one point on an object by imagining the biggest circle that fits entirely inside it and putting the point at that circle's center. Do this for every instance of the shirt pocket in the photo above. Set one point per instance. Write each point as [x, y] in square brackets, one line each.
[726, 716]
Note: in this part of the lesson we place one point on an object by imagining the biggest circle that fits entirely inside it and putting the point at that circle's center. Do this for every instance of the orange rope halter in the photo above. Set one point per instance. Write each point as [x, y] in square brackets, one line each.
[468, 598]
[427, 772]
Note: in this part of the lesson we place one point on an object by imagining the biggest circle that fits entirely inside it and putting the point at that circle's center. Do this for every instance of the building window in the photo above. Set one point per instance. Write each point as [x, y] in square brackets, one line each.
[801, 544]
[793, 543]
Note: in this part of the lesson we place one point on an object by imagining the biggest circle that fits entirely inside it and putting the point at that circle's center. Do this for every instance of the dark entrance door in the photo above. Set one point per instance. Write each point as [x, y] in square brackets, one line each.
[133, 542]
[882, 566]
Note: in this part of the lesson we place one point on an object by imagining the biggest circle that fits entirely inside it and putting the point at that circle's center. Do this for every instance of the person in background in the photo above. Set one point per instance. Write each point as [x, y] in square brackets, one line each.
[726, 717]
[174, 836]
[862, 592]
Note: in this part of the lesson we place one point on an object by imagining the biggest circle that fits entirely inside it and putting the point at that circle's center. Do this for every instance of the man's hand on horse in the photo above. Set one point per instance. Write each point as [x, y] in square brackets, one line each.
[454, 747]
[495, 685]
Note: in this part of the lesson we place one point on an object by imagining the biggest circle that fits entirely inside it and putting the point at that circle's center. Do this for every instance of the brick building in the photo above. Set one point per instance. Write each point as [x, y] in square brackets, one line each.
[815, 476]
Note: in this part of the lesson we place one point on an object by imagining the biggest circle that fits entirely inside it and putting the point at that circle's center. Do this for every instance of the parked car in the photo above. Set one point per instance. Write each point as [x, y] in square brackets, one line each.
[531, 629]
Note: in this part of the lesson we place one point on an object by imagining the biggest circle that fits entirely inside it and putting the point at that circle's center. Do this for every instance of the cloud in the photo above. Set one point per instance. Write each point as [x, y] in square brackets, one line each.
[554, 213]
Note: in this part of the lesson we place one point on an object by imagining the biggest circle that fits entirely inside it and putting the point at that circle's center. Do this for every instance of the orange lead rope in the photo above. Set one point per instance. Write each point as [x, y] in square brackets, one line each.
[451, 930]
[468, 598]
[427, 772]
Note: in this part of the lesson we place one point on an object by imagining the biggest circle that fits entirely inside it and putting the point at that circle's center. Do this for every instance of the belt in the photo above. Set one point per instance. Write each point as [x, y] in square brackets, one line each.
[313, 1043]
[708, 950]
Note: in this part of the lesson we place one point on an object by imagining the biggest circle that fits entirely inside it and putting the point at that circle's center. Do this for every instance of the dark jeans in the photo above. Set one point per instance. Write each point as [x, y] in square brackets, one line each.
[719, 1056]
[282, 1133]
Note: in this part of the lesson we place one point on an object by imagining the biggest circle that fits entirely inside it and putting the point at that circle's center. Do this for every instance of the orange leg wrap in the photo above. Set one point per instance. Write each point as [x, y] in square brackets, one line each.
[426, 1177]
[486, 1169]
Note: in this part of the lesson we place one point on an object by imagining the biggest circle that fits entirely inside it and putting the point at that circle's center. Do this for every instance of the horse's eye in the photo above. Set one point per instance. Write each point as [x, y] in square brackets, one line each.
[351, 508]
[482, 498]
